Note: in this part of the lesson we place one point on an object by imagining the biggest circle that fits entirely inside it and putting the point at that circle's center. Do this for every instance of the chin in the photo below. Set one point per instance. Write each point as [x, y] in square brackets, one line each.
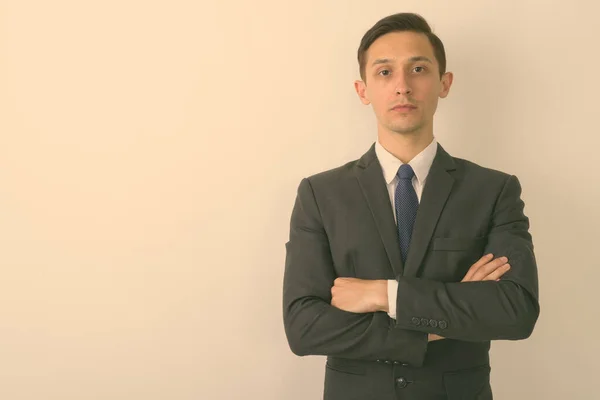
[405, 129]
[406, 125]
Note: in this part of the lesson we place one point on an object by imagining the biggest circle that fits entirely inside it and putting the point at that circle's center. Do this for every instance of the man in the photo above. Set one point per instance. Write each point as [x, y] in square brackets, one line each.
[403, 265]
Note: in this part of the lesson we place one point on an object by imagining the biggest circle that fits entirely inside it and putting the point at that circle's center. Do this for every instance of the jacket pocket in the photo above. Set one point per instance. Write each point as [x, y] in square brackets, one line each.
[458, 243]
[347, 380]
[346, 366]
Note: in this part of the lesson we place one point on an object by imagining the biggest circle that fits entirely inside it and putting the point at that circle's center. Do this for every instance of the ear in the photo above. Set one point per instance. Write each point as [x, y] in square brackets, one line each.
[447, 79]
[361, 90]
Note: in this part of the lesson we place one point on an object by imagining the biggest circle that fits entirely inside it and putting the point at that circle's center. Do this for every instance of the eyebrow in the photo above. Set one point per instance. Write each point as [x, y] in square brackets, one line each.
[412, 59]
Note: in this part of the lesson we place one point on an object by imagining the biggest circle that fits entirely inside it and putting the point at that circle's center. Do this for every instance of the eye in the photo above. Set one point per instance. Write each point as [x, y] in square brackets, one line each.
[387, 72]
[420, 69]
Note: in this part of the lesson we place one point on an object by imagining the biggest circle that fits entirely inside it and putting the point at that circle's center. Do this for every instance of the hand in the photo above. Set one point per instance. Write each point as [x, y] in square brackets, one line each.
[483, 270]
[359, 295]
[487, 270]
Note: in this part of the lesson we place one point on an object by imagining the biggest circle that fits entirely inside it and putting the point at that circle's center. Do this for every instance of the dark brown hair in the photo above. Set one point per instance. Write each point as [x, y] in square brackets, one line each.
[399, 23]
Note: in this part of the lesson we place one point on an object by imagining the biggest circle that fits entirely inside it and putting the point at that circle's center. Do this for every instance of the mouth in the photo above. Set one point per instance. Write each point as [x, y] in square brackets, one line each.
[404, 108]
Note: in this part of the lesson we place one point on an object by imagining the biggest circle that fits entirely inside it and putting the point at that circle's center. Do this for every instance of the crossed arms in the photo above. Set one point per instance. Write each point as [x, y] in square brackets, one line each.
[488, 309]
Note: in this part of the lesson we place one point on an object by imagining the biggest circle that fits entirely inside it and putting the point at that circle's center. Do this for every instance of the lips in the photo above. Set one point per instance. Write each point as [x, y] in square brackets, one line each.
[404, 107]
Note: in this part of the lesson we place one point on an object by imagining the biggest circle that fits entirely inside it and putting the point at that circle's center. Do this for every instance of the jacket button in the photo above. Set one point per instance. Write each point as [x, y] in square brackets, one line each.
[415, 321]
[433, 323]
[424, 321]
[443, 324]
[401, 382]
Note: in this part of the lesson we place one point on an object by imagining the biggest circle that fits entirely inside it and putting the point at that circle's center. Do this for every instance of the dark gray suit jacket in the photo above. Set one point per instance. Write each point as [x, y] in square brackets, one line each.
[342, 225]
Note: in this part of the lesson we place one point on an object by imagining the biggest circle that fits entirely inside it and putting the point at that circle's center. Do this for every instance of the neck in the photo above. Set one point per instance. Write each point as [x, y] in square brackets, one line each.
[404, 146]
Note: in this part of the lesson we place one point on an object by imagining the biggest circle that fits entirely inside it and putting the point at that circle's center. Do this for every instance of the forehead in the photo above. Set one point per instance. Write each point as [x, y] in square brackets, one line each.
[400, 46]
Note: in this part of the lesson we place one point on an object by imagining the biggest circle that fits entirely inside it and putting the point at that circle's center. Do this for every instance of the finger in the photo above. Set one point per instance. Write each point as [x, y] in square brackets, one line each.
[489, 268]
[482, 261]
[339, 281]
[498, 273]
[495, 276]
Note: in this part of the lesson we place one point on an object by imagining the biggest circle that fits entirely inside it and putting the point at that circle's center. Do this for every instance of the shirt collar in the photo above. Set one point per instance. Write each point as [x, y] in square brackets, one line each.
[421, 163]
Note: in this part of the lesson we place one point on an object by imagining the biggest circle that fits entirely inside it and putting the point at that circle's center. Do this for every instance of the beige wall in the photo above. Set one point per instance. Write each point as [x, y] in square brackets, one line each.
[150, 153]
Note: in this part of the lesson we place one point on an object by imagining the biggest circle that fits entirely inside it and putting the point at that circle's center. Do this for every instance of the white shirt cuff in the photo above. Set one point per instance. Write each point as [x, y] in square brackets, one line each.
[392, 295]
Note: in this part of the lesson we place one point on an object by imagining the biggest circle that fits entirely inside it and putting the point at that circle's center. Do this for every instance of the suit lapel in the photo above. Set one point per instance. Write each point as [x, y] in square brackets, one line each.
[374, 188]
[435, 194]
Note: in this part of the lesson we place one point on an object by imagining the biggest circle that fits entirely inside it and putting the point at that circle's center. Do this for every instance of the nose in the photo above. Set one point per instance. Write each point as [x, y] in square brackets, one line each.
[403, 89]
[403, 86]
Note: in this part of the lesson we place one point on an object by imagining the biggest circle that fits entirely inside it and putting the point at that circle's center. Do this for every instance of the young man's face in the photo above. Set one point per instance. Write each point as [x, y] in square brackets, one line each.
[401, 69]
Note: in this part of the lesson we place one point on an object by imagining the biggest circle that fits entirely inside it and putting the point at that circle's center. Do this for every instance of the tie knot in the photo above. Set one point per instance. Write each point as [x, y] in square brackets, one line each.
[405, 172]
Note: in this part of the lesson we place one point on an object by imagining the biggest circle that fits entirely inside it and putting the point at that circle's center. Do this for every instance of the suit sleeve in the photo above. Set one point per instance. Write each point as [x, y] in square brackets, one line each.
[488, 310]
[312, 325]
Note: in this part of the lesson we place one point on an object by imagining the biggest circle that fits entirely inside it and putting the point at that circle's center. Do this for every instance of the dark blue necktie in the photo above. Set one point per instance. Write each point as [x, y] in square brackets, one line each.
[406, 207]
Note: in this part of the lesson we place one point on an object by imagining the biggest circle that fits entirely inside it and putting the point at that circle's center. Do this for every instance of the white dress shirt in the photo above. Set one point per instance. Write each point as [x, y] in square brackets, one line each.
[420, 164]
